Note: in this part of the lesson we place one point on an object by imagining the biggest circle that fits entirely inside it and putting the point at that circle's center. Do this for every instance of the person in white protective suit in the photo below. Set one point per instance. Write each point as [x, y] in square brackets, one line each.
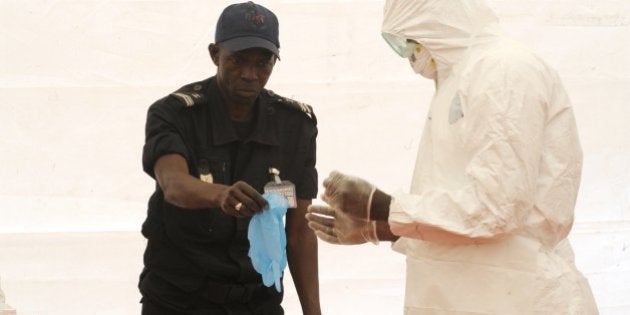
[491, 203]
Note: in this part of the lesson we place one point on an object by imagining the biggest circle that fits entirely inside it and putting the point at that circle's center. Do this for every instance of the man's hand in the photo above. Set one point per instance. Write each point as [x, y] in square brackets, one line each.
[333, 226]
[351, 195]
[241, 200]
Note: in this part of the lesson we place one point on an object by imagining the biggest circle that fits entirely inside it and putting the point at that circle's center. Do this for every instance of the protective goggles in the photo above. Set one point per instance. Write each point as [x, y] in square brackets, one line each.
[403, 47]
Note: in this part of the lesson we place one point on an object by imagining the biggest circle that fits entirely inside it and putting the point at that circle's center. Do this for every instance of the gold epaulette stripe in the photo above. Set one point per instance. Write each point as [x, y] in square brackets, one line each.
[293, 103]
[303, 107]
[186, 98]
[306, 110]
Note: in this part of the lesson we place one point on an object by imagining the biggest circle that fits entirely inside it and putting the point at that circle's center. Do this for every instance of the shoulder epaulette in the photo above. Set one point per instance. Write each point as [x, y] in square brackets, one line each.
[190, 95]
[291, 103]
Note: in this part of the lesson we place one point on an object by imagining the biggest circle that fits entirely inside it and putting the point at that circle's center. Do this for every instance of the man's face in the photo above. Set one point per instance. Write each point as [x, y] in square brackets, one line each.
[241, 75]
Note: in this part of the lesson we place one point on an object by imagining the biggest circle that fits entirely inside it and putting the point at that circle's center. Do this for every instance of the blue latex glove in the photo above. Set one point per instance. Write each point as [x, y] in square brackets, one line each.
[268, 240]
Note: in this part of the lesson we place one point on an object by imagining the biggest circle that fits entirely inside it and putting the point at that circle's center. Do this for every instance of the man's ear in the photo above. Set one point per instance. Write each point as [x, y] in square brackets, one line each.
[214, 49]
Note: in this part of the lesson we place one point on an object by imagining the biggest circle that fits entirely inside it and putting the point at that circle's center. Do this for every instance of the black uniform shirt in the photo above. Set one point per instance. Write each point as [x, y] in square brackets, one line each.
[186, 246]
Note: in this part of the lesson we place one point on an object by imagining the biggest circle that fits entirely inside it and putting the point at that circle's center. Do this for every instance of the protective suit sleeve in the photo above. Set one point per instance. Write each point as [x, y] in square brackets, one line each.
[489, 185]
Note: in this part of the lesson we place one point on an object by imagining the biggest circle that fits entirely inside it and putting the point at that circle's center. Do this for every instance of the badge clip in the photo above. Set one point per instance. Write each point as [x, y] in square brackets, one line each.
[283, 187]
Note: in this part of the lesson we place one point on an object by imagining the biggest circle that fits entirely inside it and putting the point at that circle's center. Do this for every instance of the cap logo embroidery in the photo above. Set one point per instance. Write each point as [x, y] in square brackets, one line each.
[256, 18]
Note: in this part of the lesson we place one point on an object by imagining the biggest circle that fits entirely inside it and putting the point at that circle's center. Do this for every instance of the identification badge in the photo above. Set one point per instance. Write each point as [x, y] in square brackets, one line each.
[283, 187]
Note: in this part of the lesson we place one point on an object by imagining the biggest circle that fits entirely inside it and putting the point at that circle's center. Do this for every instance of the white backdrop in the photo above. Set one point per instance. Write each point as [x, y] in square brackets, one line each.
[76, 79]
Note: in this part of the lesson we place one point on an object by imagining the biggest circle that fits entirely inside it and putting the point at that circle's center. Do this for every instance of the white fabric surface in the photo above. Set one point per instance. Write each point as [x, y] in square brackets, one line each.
[76, 78]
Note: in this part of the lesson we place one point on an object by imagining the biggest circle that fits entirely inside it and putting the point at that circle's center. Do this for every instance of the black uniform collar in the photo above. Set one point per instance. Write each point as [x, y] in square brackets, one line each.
[222, 128]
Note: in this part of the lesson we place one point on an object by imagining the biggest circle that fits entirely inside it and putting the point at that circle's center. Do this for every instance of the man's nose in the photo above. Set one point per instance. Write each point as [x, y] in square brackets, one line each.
[249, 72]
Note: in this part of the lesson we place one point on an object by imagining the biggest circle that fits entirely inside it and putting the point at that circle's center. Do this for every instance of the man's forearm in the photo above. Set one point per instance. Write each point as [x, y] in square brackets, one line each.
[379, 212]
[180, 188]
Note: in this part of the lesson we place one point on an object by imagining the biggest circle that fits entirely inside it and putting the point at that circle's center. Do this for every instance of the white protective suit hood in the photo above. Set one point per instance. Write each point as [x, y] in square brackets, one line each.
[485, 221]
[444, 29]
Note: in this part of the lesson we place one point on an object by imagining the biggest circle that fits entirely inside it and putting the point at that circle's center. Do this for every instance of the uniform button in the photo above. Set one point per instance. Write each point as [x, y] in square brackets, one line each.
[210, 230]
[197, 87]
[270, 110]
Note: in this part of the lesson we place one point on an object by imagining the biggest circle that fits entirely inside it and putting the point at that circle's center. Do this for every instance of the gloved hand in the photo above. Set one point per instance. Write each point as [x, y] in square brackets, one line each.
[268, 240]
[333, 226]
[351, 195]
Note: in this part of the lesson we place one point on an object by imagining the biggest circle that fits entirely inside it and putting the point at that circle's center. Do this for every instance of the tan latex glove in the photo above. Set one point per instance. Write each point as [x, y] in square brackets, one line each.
[351, 195]
[335, 227]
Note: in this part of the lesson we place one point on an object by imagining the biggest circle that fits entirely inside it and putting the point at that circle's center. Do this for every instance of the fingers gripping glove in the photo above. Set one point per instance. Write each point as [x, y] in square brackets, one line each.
[268, 241]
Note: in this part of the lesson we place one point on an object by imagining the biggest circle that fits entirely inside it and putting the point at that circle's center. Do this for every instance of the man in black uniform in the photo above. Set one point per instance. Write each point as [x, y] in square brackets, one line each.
[210, 147]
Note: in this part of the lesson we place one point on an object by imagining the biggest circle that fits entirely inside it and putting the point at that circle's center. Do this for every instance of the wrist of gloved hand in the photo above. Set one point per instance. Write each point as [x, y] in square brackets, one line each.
[368, 204]
[378, 206]
[368, 231]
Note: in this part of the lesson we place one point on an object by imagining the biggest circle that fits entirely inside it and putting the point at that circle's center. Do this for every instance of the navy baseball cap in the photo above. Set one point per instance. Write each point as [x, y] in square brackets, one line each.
[247, 25]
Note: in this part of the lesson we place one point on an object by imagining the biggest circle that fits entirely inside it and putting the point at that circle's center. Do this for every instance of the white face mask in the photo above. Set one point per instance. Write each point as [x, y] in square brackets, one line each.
[422, 63]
